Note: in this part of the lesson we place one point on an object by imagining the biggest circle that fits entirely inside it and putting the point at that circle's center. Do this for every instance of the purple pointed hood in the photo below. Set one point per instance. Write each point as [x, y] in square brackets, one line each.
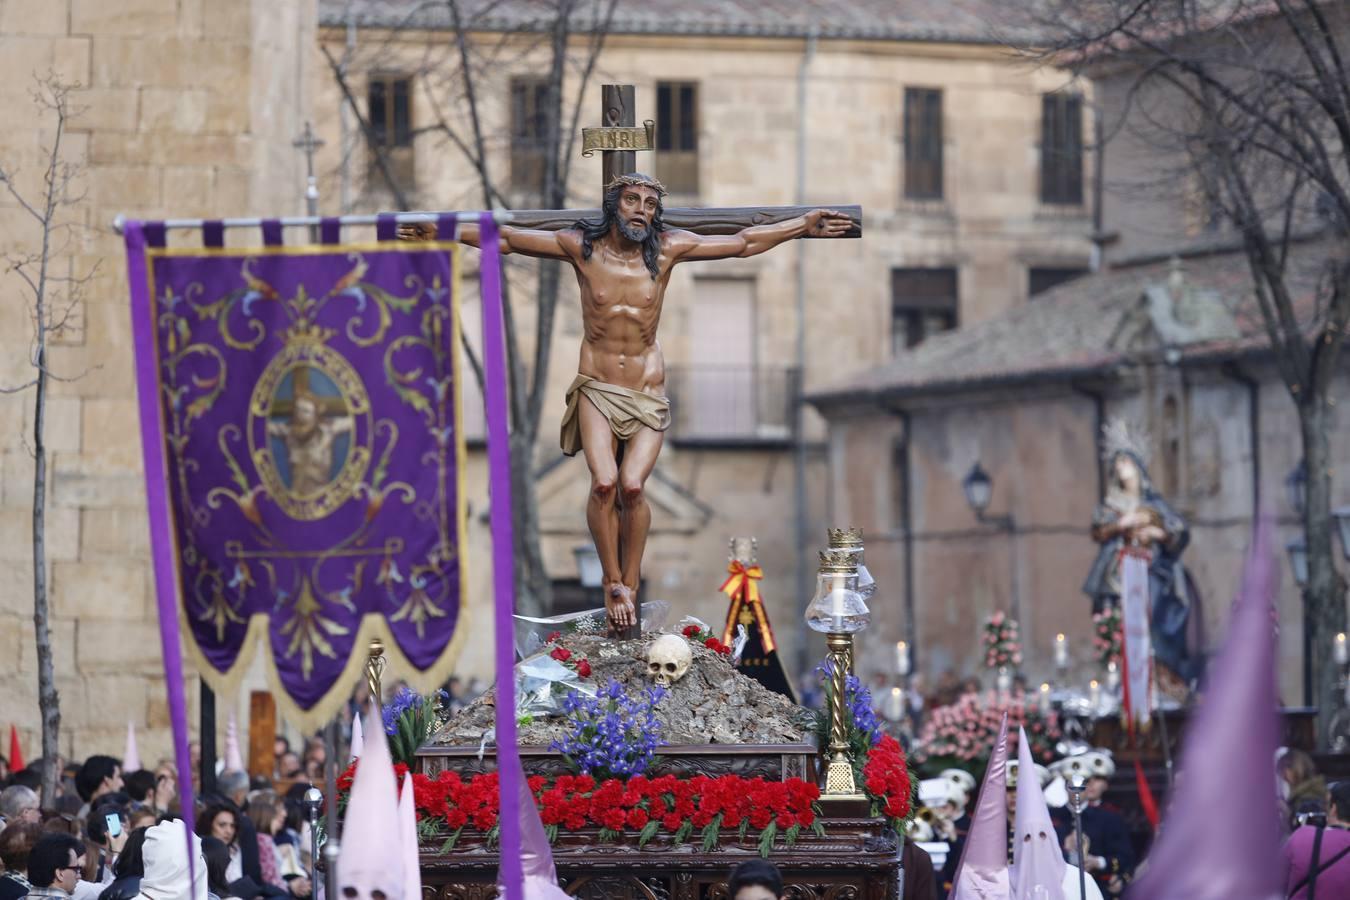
[1225, 774]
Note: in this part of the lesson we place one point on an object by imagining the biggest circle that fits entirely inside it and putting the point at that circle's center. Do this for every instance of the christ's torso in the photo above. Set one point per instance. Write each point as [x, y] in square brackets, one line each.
[620, 310]
[311, 458]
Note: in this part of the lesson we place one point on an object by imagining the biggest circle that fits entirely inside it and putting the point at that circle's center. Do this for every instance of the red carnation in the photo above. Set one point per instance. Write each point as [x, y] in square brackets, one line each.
[690, 630]
[553, 636]
[584, 668]
[562, 654]
[637, 819]
[711, 643]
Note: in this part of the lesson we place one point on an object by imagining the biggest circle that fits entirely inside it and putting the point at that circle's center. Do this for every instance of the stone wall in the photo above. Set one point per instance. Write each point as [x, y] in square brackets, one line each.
[189, 108]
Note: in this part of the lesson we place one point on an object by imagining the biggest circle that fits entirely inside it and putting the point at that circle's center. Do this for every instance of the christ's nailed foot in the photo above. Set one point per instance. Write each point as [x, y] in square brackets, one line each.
[619, 606]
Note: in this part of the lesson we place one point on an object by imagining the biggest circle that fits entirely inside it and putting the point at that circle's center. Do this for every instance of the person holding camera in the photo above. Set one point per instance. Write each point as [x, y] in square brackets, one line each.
[1317, 854]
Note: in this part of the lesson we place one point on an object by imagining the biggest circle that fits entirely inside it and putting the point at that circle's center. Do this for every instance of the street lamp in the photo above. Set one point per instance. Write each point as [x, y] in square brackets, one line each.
[1296, 488]
[979, 490]
[838, 611]
[1298, 560]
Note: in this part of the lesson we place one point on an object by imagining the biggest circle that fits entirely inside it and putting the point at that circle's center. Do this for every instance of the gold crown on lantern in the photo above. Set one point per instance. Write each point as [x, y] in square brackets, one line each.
[838, 562]
[845, 538]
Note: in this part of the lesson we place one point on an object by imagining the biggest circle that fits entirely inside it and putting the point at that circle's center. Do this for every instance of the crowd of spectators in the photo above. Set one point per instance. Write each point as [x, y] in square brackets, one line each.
[96, 839]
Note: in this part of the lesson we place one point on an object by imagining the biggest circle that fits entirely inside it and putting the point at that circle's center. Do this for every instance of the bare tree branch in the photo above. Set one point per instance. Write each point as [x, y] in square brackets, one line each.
[392, 183]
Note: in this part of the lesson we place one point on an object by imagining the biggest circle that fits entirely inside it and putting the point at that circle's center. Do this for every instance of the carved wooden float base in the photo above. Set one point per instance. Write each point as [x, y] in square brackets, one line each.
[858, 859]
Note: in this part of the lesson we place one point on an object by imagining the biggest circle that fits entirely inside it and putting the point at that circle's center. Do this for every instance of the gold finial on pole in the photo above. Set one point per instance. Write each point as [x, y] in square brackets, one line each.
[375, 664]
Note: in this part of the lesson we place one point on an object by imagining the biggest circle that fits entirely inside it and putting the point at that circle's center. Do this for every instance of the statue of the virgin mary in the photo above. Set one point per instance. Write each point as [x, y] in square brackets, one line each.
[1133, 513]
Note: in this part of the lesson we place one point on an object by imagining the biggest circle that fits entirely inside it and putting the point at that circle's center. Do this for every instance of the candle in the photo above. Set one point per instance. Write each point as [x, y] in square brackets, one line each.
[1061, 651]
[895, 705]
[1341, 652]
[1045, 697]
[1112, 675]
[902, 658]
[1094, 694]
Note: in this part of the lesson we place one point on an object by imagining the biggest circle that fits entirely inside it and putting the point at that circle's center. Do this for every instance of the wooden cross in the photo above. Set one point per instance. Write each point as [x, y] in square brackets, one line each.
[618, 141]
[282, 407]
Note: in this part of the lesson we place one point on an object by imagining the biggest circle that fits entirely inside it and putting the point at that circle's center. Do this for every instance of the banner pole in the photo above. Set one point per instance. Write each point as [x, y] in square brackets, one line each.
[157, 502]
[511, 872]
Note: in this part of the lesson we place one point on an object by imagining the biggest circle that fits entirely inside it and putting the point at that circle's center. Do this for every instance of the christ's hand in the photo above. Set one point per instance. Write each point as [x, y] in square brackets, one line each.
[827, 223]
[417, 231]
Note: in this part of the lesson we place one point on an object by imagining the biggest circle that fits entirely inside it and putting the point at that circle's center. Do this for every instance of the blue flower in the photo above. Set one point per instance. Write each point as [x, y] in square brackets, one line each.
[403, 701]
[612, 734]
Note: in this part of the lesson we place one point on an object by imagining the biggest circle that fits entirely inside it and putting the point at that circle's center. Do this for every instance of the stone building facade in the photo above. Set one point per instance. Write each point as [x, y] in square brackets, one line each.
[1166, 336]
[193, 107]
[1025, 397]
[956, 243]
[189, 109]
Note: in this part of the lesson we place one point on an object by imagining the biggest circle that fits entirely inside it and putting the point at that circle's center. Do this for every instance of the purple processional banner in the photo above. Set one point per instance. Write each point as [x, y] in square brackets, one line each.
[301, 418]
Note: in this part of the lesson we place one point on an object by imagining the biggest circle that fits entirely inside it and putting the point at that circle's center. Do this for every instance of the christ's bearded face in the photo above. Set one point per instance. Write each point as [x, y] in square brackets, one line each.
[638, 207]
[306, 415]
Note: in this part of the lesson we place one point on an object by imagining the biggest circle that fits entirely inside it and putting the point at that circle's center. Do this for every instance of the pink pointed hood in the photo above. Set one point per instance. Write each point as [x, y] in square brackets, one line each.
[370, 829]
[1038, 861]
[983, 871]
[358, 739]
[234, 760]
[536, 858]
[131, 757]
[407, 837]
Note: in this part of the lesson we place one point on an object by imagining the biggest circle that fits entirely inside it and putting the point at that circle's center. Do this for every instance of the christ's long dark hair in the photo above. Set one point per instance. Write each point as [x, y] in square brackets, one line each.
[609, 217]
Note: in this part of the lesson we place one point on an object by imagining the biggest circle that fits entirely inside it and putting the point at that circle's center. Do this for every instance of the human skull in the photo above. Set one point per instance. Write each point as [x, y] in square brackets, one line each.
[668, 659]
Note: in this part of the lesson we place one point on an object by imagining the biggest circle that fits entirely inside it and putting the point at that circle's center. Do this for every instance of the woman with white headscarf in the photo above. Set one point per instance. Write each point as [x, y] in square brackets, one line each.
[167, 873]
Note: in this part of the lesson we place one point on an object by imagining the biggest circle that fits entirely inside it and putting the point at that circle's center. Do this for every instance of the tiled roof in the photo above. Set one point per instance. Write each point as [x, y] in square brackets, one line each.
[960, 21]
[1089, 326]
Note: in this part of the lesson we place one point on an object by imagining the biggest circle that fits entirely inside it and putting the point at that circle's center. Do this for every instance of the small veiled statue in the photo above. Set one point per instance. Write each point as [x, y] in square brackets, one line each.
[1134, 513]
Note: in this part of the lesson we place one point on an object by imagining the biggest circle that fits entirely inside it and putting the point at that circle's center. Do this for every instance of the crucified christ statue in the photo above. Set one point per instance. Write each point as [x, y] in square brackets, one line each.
[617, 411]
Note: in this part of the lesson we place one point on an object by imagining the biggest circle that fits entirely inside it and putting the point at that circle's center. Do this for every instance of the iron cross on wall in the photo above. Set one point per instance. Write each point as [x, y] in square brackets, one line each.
[617, 412]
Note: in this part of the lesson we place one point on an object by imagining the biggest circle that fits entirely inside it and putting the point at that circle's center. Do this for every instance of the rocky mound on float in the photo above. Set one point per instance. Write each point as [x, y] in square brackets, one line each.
[712, 704]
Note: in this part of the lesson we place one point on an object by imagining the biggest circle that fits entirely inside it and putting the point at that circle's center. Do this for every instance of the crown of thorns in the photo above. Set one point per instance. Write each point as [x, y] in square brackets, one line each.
[637, 180]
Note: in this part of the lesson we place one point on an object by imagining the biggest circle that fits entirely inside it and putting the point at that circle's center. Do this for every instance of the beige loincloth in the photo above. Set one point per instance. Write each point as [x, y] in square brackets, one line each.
[627, 411]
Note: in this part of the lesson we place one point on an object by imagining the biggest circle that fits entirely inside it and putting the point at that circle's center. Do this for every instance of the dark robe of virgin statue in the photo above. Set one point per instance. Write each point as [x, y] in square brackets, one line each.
[1135, 514]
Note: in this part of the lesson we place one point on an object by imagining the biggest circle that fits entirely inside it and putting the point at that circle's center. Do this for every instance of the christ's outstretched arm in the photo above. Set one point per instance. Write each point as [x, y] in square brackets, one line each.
[525, 241]
[758, 238]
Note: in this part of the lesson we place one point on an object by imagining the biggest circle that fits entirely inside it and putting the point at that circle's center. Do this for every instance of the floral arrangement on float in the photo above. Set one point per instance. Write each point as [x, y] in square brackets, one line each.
[700, 634]
[1108, 641]
[612, 742]
[1002, 644]
[960, 734]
